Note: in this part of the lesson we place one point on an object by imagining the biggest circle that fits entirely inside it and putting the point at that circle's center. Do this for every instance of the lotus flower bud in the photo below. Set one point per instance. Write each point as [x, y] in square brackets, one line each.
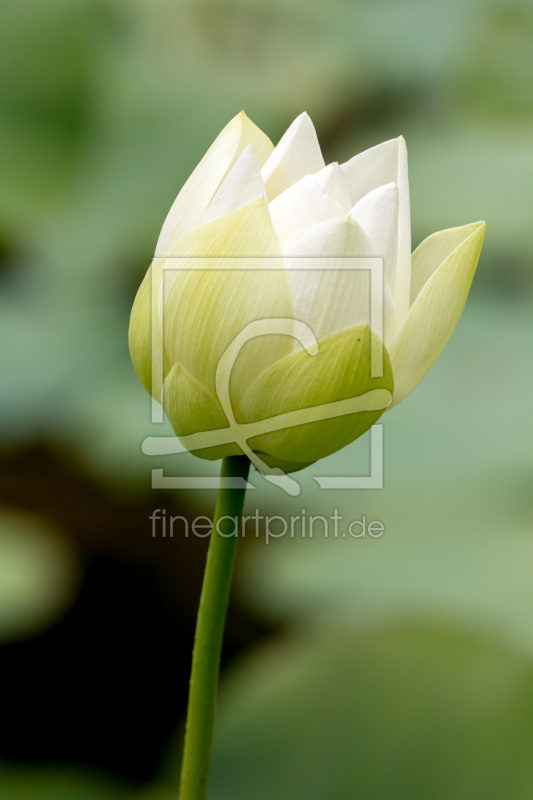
[257, 324]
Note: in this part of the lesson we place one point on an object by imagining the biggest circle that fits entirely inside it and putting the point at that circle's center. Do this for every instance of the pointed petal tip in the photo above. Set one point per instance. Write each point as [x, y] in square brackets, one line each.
[304, 117]
[479, 227]
[400, 139]
[238, 118]
[248, 149]
[241, 118]
[480, 231]
[480, 223]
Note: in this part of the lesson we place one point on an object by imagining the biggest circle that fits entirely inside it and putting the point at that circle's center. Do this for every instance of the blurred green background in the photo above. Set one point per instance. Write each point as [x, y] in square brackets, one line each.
[383, 669]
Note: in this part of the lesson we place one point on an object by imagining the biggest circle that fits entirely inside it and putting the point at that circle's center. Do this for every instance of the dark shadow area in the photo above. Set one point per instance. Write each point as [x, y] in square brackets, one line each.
[107, 685]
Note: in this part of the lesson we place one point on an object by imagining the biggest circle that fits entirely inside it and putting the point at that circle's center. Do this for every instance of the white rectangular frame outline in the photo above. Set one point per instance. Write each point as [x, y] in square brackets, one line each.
[161, 481]
[377, 287]
[171, 445]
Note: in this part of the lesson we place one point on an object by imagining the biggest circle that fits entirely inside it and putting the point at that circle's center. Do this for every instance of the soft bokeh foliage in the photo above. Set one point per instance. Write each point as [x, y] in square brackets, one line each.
[38, 575]
[106, 106]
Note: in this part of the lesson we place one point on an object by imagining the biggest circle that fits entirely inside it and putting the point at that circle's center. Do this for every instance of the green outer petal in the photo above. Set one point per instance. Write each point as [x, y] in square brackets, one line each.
[242, 185]
[340, 370]
[280, 463]
[146, 340]
[231, 273]
[432, 252]
[436, 311]
[192, 409]
[192, 202]
[186, 214]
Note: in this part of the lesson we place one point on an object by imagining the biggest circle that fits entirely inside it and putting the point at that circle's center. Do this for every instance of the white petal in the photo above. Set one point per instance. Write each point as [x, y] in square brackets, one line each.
[331, 181]
[329, 279]
[436, 310]
[301, 206]
[377, 214]
[324, 177]
[296, 155]
[243, 185]
[192, 202]
[386, 163]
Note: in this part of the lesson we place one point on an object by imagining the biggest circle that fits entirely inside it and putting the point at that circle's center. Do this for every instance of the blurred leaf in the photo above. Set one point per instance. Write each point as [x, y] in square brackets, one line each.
[461, 176]
[39, 575]
[106, 107]
[494, 76]
[401, 713]
[49, 783]
[456, 503]
[45, 65]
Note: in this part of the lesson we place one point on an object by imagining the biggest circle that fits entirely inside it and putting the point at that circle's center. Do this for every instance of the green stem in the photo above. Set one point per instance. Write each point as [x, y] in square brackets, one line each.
[209, 634]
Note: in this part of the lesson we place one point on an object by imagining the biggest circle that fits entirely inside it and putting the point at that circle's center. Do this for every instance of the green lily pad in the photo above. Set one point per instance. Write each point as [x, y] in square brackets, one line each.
[403, 713]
